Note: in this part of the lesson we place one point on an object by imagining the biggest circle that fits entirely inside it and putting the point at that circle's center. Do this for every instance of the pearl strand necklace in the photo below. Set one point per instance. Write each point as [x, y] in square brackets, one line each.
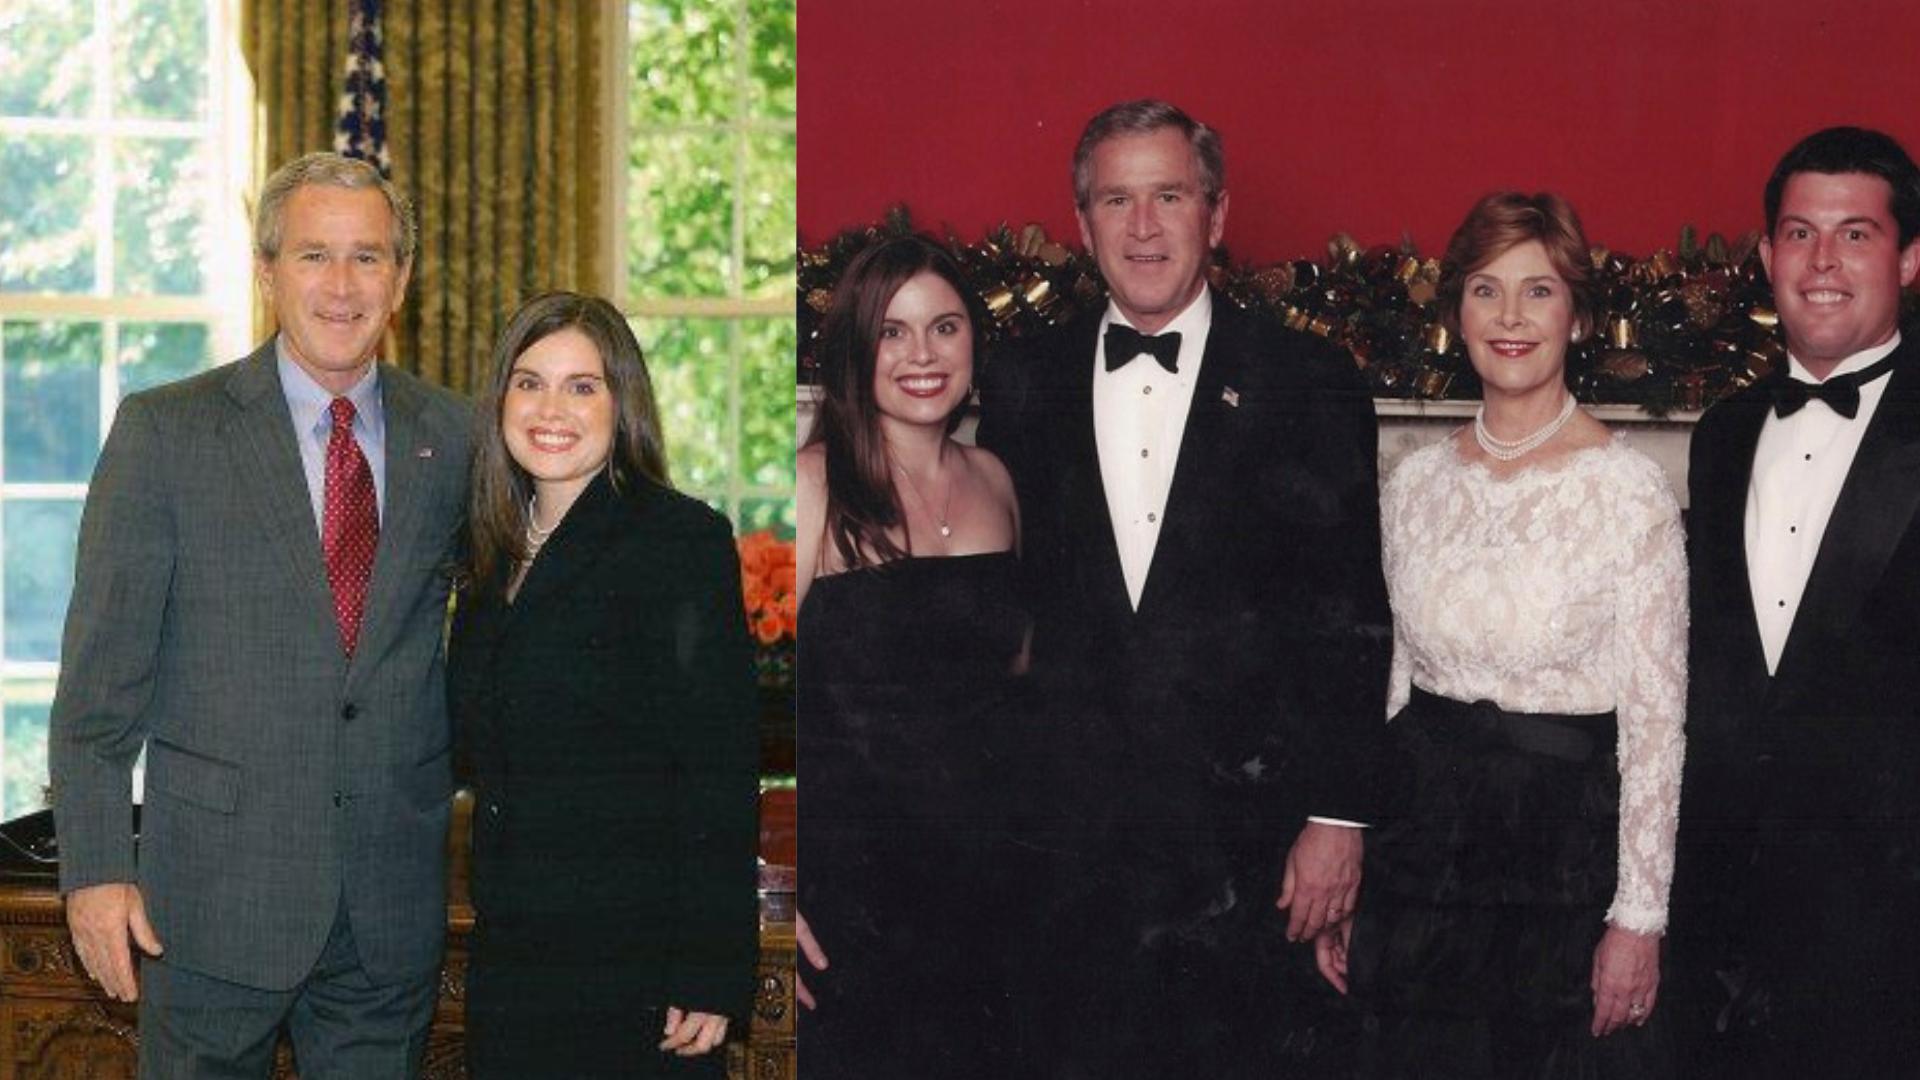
[1501, 450]
[536, 536]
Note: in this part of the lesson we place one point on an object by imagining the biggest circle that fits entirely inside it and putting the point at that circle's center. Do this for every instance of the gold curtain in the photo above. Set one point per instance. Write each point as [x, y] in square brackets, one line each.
[498, 125]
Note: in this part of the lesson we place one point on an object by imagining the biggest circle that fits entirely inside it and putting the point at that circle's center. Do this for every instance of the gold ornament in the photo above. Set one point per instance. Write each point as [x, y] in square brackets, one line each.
[999, 301]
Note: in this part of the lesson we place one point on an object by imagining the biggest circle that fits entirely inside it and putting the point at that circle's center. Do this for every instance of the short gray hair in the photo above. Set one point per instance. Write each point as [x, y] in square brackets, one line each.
[332, 170]
[1144, 117]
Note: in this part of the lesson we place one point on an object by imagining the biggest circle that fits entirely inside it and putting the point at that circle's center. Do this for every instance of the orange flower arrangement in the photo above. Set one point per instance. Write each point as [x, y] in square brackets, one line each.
[766, 577]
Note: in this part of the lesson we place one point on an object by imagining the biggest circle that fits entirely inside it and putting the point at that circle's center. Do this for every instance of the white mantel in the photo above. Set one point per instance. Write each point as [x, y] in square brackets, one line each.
[1406, 426]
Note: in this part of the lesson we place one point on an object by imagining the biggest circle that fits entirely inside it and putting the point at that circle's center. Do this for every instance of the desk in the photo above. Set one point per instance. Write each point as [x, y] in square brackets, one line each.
[56, 1025]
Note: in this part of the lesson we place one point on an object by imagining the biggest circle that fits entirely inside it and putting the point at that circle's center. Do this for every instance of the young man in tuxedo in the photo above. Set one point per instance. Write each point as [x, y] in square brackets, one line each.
[1798, 883]
[1211, 636]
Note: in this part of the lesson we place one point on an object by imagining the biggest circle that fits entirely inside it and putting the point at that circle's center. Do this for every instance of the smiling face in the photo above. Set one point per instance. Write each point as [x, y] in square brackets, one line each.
[1837, 266]
[923, 366]
[557, 415]
[1150, 225]
[334, 281]
[1516, 317]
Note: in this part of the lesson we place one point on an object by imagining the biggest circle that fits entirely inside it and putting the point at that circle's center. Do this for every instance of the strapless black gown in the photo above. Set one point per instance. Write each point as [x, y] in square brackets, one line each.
[909, 785]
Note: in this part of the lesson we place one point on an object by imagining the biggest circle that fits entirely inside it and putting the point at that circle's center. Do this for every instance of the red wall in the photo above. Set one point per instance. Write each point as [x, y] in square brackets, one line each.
[1376, 117]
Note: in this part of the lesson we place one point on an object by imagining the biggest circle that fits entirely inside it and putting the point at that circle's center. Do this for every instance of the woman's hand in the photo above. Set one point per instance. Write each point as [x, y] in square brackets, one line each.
[1330, 952]
[691, 1034]
[1626, 979]
[809, 948]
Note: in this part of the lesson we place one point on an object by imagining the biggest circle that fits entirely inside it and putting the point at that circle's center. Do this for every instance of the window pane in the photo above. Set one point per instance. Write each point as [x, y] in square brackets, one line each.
[159, 231]
[44, 65]
[153, 354]
[39, 536]
[775, 514]
[769, 209]
[160, 59]
[688, 361]
[680, 216]
[45, 244]
[23, 746]
[52, 390]
[766, 402]
[682, 61]
[771, 24]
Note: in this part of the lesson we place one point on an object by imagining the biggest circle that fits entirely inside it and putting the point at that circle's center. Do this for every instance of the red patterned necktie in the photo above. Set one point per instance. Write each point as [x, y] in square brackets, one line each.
[351, 525]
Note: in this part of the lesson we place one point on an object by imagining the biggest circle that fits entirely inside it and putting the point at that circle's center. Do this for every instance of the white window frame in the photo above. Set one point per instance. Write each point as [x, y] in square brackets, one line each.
[733, 308]
[225, 306]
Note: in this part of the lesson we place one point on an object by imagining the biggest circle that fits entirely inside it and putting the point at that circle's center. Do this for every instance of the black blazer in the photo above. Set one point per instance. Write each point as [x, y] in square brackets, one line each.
[1798, 821]
[1248, 690]
[608, 718]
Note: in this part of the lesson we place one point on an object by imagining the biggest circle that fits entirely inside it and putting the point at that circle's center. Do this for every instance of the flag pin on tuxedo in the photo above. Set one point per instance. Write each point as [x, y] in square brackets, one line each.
[1230, 396]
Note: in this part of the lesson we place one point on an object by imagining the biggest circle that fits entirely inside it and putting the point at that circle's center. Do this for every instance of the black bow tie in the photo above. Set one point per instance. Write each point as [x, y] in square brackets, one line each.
[1841, 393]
[1124, 343]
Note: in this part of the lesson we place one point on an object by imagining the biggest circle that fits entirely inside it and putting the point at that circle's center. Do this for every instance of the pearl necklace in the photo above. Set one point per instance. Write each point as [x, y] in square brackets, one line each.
[536, 536]
[1501, 450]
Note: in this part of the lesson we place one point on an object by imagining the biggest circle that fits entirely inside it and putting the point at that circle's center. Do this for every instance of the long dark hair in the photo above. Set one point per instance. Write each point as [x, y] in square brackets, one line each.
[862, 504]
[497, 507]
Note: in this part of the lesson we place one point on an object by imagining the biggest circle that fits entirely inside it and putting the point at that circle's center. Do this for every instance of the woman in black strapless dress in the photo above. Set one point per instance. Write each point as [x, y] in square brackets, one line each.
[910, 633]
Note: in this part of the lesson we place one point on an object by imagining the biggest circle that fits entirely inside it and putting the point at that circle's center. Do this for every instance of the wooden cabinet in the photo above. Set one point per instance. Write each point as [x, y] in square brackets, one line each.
[56, 1025]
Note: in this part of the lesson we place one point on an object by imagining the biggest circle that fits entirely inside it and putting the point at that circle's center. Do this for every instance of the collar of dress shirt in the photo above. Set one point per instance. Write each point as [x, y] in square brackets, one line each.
[309, 402]
[1858, 361]
[1191, 324]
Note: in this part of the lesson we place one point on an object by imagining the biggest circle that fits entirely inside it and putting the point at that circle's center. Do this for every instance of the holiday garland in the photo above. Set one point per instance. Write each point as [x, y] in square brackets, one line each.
[1677, 329]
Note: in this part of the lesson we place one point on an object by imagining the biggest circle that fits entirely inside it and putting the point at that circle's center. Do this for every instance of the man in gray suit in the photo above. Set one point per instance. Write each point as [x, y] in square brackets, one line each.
[261, 587]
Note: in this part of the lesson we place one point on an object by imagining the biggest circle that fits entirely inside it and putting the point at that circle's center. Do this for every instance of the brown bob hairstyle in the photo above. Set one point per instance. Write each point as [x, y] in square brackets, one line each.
[862, 505]
[502, 490]
[1505, 220]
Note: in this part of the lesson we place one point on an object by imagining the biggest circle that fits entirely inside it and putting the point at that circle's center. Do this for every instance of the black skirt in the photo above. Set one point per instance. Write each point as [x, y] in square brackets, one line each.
[1485, 893]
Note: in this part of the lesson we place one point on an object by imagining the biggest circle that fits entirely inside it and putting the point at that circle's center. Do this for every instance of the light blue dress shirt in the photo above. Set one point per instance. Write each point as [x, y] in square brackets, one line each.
[310, 406]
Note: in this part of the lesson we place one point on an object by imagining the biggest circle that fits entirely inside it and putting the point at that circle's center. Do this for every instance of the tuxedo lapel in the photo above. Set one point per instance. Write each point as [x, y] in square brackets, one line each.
[1193, 498]
[266, 463]
[1724, 504]
[1067, 401]
[1875, 509]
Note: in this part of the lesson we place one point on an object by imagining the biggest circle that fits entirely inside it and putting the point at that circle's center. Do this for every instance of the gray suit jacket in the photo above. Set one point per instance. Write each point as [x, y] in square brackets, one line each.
[280, 777]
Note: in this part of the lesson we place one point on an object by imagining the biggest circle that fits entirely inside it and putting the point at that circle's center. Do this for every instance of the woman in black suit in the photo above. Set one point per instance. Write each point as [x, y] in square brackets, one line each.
[601, 681]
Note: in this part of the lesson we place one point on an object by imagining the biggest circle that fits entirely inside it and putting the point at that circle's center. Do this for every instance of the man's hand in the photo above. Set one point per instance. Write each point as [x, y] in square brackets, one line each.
[690, 1034]
[809, 948]
[1322, 881]
[102, 918]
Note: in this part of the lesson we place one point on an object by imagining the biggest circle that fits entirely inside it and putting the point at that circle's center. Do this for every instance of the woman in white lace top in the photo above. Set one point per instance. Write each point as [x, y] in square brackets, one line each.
[1512, 908]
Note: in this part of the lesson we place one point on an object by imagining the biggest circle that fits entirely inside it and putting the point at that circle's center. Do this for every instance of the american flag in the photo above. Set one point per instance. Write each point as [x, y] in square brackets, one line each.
[363, 125]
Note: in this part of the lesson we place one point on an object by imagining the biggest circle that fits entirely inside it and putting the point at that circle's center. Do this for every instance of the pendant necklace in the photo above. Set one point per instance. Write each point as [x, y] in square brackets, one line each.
[1502, 450]
[947, 505]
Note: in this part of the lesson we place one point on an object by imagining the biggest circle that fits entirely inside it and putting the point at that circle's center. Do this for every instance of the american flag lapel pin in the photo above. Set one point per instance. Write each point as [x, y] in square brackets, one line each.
[1231, 397]
[424, 452]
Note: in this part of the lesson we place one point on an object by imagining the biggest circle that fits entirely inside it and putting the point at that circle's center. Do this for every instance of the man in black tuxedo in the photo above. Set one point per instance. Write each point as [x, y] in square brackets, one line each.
[1798, 888]
[1211, 637]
